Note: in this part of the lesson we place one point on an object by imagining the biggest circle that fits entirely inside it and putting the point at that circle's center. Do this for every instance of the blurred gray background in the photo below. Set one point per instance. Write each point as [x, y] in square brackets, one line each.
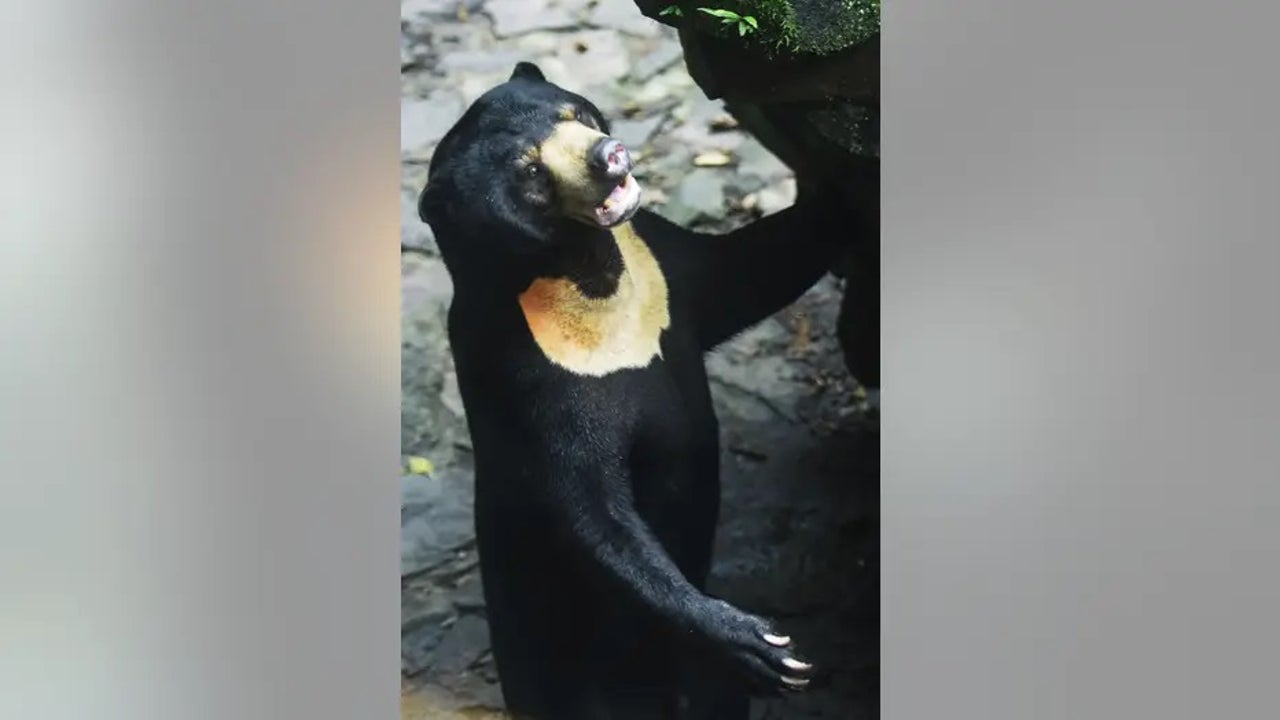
[200, 381]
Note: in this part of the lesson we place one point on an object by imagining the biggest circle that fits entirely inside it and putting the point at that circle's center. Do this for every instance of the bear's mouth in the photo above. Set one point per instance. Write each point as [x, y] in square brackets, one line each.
[621, 203]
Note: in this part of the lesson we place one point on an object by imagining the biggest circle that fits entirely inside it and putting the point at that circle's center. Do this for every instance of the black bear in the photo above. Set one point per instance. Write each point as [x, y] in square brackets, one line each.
[579, 325]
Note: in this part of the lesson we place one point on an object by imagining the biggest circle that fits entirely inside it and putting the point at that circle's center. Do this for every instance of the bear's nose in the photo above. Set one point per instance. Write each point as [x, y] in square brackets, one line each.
[610, 159]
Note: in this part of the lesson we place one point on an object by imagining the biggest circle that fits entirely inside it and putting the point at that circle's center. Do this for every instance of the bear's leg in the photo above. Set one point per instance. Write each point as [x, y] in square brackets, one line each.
[702, 693]
[539, 618]
[544, 674]
[708, 698]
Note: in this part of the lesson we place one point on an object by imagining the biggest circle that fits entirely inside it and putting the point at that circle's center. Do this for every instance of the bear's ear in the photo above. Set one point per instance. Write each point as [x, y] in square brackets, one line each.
[527, 71]
[430, 207]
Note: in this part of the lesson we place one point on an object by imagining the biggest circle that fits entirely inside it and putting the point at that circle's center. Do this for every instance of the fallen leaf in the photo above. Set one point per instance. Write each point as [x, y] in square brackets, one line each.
[420, 466]
[714, 158]
[723, 122]
[802, 338]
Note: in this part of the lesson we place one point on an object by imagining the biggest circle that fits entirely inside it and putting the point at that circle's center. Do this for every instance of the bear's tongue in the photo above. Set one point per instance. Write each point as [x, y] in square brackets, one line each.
[617, 203]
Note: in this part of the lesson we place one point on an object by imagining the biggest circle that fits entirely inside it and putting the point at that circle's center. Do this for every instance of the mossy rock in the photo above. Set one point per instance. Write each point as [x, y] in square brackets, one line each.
[777, 27]
[804, 80]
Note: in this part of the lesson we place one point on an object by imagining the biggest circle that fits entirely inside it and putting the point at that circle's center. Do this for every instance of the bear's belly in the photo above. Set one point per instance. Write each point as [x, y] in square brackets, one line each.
[675, 463]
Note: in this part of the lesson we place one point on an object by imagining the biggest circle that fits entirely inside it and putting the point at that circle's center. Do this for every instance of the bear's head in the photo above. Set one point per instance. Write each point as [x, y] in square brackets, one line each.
[527, 163]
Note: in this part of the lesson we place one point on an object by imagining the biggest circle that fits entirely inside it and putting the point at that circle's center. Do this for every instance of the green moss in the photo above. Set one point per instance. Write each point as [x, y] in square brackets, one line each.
[777, 22]
[826, 26]
[816, 27]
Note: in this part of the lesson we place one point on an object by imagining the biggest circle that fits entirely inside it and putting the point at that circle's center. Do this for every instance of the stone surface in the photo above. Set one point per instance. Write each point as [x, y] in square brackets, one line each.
[758, 162]
[624, 16]
[514, 17]
[696, 129]
[435, 518]
[424, 122]
[635, 134]
[482, 61]
[593, 57]
[699, 194]
[414, 233]
[413, 8]
[462, 645]
[428, 427]
[778, 196]
[422, 627]
[665, 55]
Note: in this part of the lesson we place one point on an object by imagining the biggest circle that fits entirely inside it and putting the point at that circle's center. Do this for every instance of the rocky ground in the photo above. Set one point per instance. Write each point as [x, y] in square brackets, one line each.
[798, 540]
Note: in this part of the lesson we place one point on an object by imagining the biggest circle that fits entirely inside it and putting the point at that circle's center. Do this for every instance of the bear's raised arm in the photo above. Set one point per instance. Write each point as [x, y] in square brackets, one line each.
[583, 477]
[734, 280]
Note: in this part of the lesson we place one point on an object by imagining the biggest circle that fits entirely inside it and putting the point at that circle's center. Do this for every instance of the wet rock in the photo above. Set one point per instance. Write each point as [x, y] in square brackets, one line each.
[753, 380]
[635, 134]
[413, 177]
[434, 703]
[700, 194]
[778, 196]
[538, 43]
[413, 232]
[423, 122]
[664, 164]
[514, 17]
[665, 89]
[425, 287]
[451, 395]
[609, 97]
[481, 61]
[435, 518]
[696, 126]
[764, 390]
[592, 57]
[450, 35]
[666, 54]
[413, 8]
[624, 16]
[423, 626]
[413, 54]
[757, 161]
[489, 695]
[427, 426]
[470, 86]
[469, 595]
[463, 644]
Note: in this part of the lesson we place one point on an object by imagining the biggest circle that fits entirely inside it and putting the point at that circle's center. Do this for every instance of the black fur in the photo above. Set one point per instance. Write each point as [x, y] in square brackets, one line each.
[597, 498]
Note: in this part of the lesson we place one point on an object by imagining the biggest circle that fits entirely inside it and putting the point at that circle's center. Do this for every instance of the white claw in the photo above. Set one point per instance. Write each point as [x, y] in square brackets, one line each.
[777, 640]
[796, 682]
[795, 664]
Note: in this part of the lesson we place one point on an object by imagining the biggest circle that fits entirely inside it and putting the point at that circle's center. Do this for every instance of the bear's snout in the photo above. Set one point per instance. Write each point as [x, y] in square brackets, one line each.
[610, 159]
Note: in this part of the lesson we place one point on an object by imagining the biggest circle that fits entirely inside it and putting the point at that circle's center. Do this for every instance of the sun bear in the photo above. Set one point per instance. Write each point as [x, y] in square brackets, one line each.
[579, 325]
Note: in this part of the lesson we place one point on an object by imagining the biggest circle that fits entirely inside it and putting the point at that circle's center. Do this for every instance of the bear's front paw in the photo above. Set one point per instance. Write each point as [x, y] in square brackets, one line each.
[758, 651]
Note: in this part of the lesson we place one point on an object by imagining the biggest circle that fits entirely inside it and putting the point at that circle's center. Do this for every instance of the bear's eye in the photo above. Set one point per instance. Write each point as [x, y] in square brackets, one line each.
[533, 170]
[583, 117]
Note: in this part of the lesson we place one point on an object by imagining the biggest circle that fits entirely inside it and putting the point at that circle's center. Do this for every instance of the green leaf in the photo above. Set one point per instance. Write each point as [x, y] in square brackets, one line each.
[751, 21]
[671, 10]
[420, 466]
[723, 14]
[742, 29]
